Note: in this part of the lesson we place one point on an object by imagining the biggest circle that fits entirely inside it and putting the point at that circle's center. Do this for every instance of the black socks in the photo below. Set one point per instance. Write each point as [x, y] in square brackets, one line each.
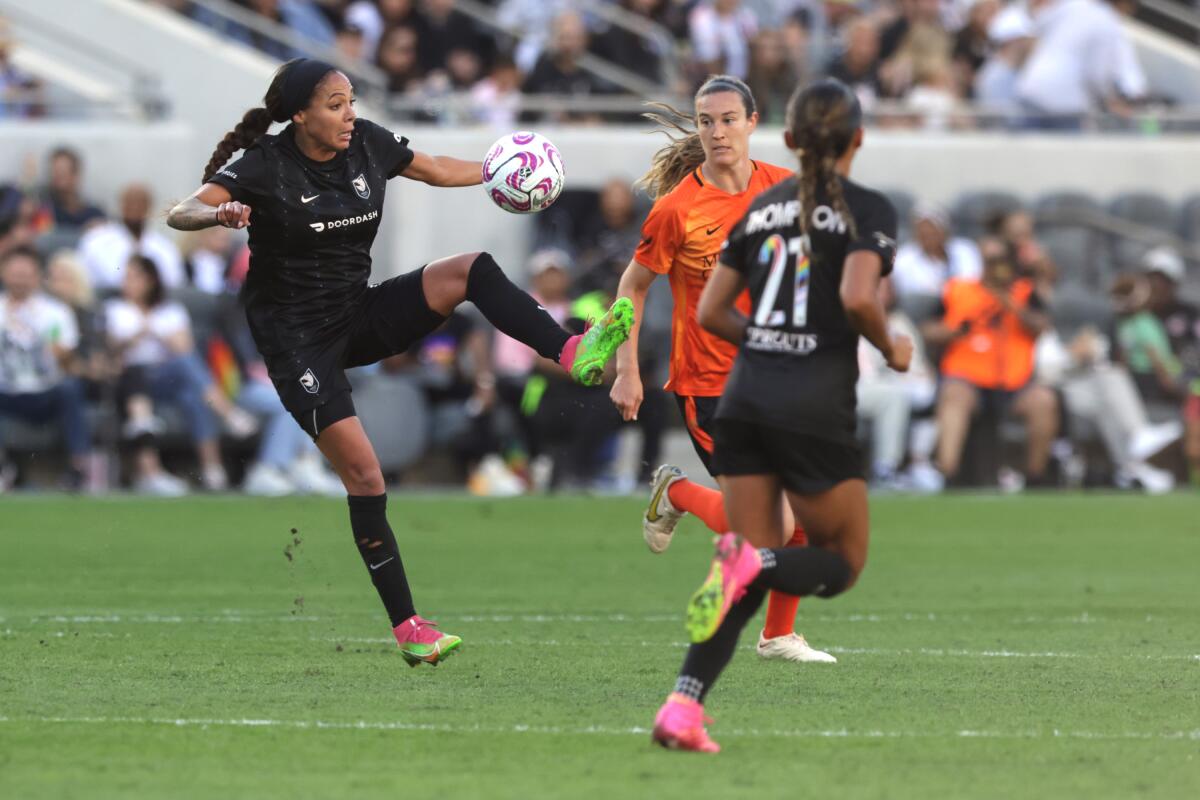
[377, 546]
[511, 310]
[704, 662]
[803, 571]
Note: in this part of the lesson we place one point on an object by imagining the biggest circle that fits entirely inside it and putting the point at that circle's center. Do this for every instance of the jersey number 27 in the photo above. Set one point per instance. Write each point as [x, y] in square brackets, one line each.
[778, 253]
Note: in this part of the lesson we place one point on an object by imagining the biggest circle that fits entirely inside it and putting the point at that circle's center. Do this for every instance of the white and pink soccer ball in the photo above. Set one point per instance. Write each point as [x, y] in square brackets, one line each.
[523, 172]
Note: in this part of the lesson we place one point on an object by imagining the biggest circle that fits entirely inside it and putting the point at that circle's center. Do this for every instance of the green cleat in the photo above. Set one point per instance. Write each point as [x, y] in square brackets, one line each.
[421, 643]
[591, 351]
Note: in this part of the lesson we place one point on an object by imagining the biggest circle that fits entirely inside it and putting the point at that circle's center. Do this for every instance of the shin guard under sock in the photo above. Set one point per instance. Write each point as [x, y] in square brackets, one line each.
[377, 546]
[511, 310]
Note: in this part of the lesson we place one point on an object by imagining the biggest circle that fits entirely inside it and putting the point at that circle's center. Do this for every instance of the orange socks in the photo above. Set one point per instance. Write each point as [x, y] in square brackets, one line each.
[782, 608]
[702, 501]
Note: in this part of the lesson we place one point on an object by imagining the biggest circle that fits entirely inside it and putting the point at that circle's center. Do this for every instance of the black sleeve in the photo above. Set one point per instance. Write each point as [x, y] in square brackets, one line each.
[390, 149]
[875, 221]
[735, 248]
[245, 178]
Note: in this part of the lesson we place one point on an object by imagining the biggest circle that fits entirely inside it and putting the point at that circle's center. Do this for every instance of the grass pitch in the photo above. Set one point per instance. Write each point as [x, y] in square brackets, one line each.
[1018, 647]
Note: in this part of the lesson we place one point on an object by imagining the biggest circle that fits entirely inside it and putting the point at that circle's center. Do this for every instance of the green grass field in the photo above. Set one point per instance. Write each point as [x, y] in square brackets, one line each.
[1044, 647]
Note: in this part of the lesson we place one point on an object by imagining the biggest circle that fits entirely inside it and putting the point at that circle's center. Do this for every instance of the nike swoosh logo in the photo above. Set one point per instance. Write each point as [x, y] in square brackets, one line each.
[310, 199]
[711, 231]
[380, 564]
[652, 514]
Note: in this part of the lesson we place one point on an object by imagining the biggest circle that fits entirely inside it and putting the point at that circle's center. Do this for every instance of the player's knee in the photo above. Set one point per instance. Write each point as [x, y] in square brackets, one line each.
[840, 575]
[362, 478]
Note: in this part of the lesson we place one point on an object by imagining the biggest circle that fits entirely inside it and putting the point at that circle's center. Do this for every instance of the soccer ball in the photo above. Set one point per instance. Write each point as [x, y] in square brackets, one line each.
[523, 172]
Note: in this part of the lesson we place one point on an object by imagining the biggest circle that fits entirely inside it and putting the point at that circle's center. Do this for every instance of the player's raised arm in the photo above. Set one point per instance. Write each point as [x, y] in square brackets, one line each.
[443, 170]
[627, 391]
[209, 205]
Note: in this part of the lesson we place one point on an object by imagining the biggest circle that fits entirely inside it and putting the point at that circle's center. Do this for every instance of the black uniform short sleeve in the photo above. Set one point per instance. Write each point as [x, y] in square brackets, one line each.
[875, 221]
[733, 251]
[390, 150]
[246, 177]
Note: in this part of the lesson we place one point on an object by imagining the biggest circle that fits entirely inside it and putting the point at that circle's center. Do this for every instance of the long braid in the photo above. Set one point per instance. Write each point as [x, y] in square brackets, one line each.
[823, 120]
[254, 124]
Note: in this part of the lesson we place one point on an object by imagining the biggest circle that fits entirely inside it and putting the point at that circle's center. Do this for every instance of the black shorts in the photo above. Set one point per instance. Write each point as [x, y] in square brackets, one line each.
[699, 414]
[805, 464]
[311, 381]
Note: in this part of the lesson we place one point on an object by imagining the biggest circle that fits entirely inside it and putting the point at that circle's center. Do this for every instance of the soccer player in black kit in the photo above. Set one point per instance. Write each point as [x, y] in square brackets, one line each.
[312, 196]
[812, 251]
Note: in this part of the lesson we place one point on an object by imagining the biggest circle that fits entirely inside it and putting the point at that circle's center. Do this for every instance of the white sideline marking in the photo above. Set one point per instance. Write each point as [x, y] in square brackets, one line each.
[365, 725]
[868, 651]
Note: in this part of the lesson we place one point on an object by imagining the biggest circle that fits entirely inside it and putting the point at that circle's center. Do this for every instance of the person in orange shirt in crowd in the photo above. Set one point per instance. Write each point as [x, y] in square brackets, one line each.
[988, 333]
[702, 184]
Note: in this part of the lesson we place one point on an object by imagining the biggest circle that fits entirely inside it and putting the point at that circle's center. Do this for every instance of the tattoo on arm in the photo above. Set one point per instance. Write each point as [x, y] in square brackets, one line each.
[192, 214]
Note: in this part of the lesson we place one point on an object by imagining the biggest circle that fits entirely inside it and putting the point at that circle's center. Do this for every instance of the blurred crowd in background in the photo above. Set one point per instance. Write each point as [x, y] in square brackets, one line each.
[937, 64]
[1050, 355]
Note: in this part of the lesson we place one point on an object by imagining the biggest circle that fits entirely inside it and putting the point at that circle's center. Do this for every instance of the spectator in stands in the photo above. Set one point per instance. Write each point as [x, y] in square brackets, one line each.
[496, 100]
[888, 399]
[858, 64]
[934, 97]
[972, 44]
[17, 219]
[1181, 320]
[397, 57]
[350, 45]
[68, 282]
[558, 70]
[373, 17]
[301, 16]
[720, 31]
[923, 266]
[988, 332]
[106, 248]
[442, 30]
[63, 197]
[774, 74]
[151, 337]
[915, 45]
[38, 337]
[206, 255]
[20, 93]
[534, 19]
[995, 86]
[1082, 63]
[625, 48]
[604, 241]
[1016, 227]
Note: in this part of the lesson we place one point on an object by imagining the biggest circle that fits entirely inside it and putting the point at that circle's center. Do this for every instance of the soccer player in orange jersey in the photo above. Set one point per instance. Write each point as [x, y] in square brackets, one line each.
[702, 184]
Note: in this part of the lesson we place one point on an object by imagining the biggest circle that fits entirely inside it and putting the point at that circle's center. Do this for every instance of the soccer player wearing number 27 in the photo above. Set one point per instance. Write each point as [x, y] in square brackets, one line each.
[703, 183]
[312, 197]
[812, 251]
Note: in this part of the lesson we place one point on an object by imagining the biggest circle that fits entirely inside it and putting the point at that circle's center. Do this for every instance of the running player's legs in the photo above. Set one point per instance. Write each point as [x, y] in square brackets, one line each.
[837, 520]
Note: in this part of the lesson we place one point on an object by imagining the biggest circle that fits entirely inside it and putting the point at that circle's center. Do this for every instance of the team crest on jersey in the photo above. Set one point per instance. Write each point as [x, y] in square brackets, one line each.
[309, 382]
[360, 186]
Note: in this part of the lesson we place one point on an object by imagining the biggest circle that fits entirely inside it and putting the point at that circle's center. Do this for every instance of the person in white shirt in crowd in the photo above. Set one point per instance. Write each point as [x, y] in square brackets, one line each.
[206, 255]
[1011, 37]
[935, 256]
[1082, 63]
[106, 248]
[152, 336]
[373, 17]
[887, 400]
[38, 337]
[533, 19]
[1103, 393]
[721, 31]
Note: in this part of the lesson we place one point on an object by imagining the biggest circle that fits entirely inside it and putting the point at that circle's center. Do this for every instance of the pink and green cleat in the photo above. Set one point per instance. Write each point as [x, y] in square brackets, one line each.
[422, 643]
[679, 725]
[586, 354]
[735, 565]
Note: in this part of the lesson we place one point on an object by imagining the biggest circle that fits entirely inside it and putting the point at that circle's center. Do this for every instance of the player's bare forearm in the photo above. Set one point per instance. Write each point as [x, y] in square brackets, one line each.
[635, 282]
[192, 214]
[444, 171]
[859, 293]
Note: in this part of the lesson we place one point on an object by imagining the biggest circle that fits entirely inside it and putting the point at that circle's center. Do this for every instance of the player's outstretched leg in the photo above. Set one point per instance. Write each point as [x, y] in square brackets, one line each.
[586, 355]
[661, 517]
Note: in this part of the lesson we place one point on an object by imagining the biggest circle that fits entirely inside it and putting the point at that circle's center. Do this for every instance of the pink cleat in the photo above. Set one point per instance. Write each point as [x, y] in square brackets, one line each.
[679, 725]
[422, 643]
[735, 565]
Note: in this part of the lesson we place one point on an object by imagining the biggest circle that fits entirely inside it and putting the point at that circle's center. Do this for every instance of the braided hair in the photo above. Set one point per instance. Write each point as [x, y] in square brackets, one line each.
[823, 120]
[685, 152]
[277, 106]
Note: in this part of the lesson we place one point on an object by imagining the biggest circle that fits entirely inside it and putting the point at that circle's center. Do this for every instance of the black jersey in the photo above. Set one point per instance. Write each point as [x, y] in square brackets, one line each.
[312, 224]
[798, 364]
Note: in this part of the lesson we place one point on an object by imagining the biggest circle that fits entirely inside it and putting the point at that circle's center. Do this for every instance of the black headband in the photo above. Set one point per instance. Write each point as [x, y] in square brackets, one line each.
[299, 82]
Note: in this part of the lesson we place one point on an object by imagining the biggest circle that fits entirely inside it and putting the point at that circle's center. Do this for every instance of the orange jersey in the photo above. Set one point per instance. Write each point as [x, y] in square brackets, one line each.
[682, 238]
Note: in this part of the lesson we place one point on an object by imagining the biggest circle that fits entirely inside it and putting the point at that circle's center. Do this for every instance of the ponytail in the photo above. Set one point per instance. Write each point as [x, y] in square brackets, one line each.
[254, 124]
[685, 152]
[823, 120]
